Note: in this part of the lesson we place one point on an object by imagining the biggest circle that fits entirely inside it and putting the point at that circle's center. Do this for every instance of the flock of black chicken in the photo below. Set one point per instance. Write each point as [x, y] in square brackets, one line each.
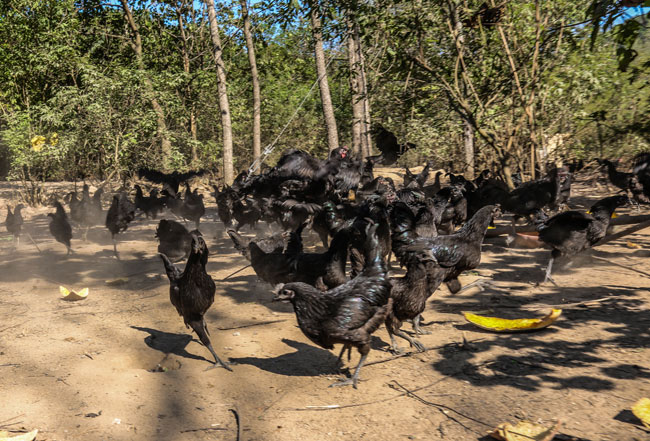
[344, 294]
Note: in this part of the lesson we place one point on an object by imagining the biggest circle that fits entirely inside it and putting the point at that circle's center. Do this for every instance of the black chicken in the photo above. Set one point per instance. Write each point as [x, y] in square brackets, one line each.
[642, 172]
[149, 205]
[455, 210]
[387, 144]
[420, 179]
[532, 196]
[90, 209]
[192, 290]
[173, 180]
[619, 179]
[192, 208]
[271, 245]
[76, 213]
[627, 182]
[409, 294]
[322, 270]
[120, 214]
[60, 227]
[571, 232]
[348, 314]
[175, 240]
[14, 222]
[224, 200]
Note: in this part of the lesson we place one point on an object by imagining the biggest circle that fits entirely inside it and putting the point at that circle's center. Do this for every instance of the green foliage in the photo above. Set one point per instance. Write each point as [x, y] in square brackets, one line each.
[68, 67]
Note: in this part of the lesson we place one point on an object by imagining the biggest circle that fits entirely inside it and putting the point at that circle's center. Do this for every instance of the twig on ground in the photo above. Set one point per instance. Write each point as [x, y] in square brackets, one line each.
[13, 326]
[236, 414]
[251, 325]
[3, 422]
[620, 234]
[346, 406]
[202, 429]
[408, 354]
[232, 274]
[34, 242]
[441, 407]
[621, 265]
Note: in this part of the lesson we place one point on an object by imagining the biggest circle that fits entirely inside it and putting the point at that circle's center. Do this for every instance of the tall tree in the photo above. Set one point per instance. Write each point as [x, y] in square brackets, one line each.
[355, 87]
[185, 51]
[321, 71]
[257, 100]
[468, 130]
[136, 44]
[224, 104]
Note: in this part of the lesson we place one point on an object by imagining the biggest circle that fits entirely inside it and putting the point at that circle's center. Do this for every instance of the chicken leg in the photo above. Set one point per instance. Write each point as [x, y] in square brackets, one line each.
[416, 326]
[412, 341]
[349, 348]
[548, 277]
[363, 350]
[201, 330]
[117, 255]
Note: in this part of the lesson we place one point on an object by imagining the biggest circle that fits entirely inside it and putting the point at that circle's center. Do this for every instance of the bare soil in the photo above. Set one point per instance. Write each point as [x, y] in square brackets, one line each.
[120, 365]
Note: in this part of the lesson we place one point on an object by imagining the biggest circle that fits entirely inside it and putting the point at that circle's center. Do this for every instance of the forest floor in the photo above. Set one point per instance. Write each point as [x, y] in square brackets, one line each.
[120, 365]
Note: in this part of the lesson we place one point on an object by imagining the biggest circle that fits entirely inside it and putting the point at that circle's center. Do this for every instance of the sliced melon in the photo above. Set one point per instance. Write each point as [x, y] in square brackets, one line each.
[505, 325]
[525, 431]
[68, 295]
[641, 410]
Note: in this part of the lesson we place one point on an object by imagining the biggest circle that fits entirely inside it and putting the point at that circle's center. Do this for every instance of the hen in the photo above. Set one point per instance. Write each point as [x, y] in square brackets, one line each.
[348, 314]
[409, 294]
[14, 222]
[388, 146]
[270, 245]
[175, 240]
[571, 232]
[191, 291]
[149, 205]
[120, 214]
[173, 180]
[458, 252]
[193, 207]
[322, 270]
[60, 227]
[532, 196]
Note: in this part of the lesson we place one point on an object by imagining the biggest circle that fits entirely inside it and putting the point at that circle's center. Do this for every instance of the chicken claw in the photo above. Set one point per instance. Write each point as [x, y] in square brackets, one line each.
[347, 382]
[416, 326]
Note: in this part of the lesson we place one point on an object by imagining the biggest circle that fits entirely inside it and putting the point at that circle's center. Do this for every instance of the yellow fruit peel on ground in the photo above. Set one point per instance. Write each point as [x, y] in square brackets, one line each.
[68, 295]
[641, 410]
[4, 436]
[496, 324]
[525, 431]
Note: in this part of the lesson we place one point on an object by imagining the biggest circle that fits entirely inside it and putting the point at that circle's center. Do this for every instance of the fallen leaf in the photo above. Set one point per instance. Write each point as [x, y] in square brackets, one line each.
[496, 324]
[525, 431]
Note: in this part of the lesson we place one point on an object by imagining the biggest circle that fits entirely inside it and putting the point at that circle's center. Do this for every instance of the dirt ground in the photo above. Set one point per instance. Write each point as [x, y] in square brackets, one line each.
[120, 365]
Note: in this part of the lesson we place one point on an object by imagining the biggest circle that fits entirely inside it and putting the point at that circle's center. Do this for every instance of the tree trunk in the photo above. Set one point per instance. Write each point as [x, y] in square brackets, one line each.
[224, 105]
[468, 136]
[355, 89]
[188, 88]
[136, 44]
[321, 70]
[257, 100]
[468, 130]
[366, 140]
